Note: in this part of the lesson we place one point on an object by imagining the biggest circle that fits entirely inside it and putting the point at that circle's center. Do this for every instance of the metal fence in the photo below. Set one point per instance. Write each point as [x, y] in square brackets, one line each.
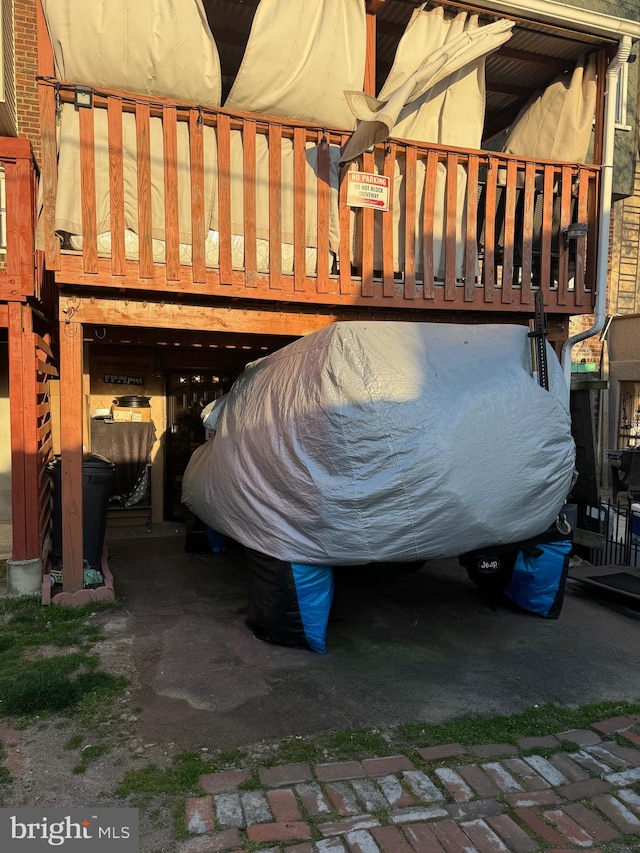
[619, 524]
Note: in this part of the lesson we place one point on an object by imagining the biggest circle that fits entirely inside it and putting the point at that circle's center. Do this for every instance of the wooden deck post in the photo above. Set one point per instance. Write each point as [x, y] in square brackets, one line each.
[25, 515]
[16, 403]
[71, 453]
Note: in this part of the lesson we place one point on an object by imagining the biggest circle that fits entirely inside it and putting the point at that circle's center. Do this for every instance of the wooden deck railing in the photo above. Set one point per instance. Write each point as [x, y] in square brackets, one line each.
[259, 210]
[20, 265]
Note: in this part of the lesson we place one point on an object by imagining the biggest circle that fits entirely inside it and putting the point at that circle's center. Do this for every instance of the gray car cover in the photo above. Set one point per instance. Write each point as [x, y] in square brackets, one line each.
[386, 441]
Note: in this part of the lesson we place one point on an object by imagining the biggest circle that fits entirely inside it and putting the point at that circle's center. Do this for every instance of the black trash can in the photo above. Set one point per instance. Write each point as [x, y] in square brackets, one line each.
[97, 477]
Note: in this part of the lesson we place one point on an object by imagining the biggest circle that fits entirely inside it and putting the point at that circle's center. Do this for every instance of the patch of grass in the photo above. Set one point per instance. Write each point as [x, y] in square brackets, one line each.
[74, 742]
[51, 685]
[548, 751]
[46, 665]
[89, 753]
[537, 721]
[358, 744]
[294, 750]
[180, 778]
[180, 832]
[251, 783]
[624, 844]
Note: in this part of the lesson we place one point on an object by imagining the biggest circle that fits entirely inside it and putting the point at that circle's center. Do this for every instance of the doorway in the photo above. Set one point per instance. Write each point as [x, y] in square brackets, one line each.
[188, 392]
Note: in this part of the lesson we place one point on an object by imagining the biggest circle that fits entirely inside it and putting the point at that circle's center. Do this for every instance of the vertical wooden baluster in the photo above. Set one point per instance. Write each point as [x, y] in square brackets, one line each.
[547, 231]
[323, 216]
[171, 220]
[563, 246]
[275, 206]
[471, 235]
[88, 190]
[428, 223]
[509, 231]
[388, 283]
[299, 209]
[116, 186]
[145, 220]
[527, 233]
[410, 223]
[224, 197]
[451, 228]
[366, 214]
[198, 225]
[490, 230]
[249, 202]
[344, 256]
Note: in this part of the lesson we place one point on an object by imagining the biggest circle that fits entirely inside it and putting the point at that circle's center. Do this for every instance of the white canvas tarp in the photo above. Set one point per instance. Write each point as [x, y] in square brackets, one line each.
[152, 47]
[434, 49]
[557, 123]
[300, 58]
[386, 441]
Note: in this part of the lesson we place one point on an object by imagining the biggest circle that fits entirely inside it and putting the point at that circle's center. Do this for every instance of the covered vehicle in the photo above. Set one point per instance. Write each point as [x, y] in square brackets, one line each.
[386, 441]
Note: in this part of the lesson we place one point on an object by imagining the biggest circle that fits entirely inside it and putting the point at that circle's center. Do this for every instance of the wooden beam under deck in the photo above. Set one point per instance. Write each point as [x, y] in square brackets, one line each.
[141, 313]
[202, 318]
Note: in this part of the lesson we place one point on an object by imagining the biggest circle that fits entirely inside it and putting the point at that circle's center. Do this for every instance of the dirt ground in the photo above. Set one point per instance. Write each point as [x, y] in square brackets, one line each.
[42, 766]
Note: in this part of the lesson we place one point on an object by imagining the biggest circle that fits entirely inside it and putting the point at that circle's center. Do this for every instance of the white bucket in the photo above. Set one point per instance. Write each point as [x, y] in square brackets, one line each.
[24, 577]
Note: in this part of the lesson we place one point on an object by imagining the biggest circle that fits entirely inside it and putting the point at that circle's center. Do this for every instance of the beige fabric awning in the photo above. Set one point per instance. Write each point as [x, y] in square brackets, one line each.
[151, 47]
[299, 59]
[434, 49]
[557, 123]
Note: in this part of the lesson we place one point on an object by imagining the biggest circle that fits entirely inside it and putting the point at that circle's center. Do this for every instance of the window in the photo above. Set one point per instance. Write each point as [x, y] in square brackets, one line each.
[621, 97]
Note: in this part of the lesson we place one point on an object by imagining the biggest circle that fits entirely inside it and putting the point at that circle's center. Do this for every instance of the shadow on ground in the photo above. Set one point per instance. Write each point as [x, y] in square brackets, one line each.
[402, 647]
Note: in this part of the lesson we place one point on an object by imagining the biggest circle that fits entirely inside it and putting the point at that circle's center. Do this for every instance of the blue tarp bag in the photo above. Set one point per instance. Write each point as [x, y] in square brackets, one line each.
[532, 574]
[218, 542]
[288, 603]
[538, 579]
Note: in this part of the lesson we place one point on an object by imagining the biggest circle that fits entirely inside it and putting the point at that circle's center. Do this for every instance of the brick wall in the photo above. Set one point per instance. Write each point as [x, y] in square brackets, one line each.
[624, 265]
[590, 349]
[623, 285]
[26, 63]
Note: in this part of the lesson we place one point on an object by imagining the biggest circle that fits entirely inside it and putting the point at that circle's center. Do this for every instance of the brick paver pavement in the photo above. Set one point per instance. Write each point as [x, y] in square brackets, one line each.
[487, 798]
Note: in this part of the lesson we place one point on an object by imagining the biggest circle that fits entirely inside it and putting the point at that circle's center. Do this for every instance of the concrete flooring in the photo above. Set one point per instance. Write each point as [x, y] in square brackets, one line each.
[403, 647]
